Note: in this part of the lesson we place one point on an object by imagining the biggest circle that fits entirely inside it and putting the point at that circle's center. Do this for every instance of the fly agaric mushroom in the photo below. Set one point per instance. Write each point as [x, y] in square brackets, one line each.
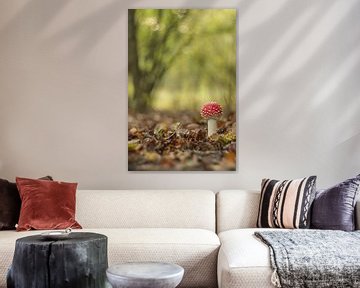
[211, 112]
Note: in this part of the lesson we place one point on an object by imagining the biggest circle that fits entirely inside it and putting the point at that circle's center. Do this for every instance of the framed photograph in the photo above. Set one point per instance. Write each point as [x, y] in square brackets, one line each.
[182, 89]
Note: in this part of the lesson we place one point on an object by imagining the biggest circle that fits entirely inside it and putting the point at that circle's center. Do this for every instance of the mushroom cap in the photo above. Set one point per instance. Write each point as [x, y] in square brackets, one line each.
[211, 110]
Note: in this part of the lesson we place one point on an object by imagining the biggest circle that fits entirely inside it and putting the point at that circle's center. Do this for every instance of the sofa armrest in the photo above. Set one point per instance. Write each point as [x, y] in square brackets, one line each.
[357, 215]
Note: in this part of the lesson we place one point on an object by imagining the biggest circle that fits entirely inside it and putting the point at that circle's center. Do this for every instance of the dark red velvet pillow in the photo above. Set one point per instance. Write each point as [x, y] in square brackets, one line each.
[46, 204]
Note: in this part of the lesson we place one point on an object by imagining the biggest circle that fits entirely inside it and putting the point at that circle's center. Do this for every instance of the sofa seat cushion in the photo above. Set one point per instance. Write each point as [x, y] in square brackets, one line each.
[244, 261]
[194, 249]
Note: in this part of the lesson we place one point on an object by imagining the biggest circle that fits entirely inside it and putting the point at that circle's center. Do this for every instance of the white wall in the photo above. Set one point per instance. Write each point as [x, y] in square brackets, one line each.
[63, 92]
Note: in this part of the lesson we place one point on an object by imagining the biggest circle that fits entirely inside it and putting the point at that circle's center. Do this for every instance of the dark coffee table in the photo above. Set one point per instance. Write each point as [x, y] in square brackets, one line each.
[145, 275]
[80, 261]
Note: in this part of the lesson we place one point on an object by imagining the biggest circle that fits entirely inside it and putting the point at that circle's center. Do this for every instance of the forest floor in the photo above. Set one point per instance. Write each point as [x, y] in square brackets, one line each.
[161, 141]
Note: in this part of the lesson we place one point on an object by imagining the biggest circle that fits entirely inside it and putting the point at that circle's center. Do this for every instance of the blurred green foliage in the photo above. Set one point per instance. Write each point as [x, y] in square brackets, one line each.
[181, 58]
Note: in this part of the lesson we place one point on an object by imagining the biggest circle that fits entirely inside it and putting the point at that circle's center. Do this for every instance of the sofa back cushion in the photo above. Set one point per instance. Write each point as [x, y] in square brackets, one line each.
[146, 209]
[236, 209]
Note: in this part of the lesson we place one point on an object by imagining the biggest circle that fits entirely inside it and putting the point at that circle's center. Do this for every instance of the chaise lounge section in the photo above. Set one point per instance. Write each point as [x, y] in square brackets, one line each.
[244, 260]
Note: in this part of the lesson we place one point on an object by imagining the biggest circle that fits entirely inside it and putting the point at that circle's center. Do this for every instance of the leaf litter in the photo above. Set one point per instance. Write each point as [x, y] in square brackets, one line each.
[162, 141]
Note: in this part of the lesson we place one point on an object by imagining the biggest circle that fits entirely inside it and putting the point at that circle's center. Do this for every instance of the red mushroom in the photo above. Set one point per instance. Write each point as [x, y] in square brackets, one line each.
[211, 112]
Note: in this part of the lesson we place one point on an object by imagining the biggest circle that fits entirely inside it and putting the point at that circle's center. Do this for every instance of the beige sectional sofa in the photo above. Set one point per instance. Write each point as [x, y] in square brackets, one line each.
[177, 226]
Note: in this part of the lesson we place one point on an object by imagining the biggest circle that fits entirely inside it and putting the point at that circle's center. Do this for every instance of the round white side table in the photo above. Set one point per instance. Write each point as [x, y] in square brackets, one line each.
[145, 275]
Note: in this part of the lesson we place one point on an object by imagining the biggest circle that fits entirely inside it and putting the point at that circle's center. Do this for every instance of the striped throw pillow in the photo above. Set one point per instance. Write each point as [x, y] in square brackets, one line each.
[286, 204]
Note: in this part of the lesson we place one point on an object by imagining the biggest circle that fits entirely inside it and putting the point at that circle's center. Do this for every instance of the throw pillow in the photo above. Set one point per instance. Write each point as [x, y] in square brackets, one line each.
[10, 204]
[286, 204]
[334, 208]
[46, 204]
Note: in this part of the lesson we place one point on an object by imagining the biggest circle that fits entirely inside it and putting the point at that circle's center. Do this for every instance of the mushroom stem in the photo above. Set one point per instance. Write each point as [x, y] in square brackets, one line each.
[212, 126]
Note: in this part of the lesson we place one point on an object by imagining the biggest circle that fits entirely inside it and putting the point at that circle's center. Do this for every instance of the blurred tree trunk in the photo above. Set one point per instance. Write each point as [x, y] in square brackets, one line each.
[159, 55]
[133, 64]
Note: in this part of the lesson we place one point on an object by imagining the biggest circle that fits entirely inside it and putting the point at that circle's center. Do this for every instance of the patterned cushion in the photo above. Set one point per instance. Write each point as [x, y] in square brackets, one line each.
[286, 204]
